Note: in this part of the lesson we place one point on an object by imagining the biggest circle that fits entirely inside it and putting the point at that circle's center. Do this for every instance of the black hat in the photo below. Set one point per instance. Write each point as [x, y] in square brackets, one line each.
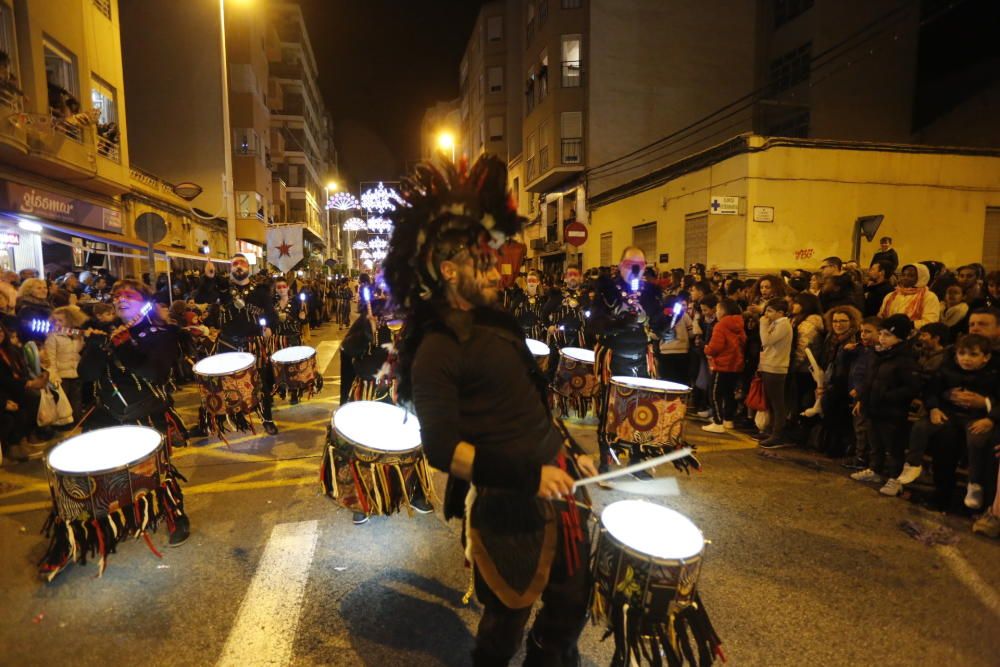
[899, 326]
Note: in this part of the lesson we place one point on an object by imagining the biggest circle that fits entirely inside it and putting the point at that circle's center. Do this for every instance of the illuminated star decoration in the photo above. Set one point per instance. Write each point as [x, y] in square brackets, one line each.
[360, 245]
[378, 255]
[365, 254]
[380, 199]
[343, 201]
[379, 225]
[377, 243]
[354, 225]
[285, 249]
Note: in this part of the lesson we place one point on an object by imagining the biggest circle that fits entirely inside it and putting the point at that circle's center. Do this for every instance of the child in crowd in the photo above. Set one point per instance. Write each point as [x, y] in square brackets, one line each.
[675, 342]
[104, 316]
[955, 311]
[885, 399]
[62, 354]
[702, 327]
[775, 355]
[725, 359]
[858, 377]
[968, 370]
[931, 345]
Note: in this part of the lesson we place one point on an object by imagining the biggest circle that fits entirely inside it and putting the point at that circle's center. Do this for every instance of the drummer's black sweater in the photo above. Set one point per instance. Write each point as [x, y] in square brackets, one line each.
[472, 383]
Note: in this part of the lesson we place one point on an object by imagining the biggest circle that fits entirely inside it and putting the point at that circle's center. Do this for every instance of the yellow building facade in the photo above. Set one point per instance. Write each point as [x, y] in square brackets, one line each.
[788, 203]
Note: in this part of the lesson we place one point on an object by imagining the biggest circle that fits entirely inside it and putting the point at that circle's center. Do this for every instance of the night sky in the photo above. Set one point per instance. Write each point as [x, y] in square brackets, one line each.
[381, 64]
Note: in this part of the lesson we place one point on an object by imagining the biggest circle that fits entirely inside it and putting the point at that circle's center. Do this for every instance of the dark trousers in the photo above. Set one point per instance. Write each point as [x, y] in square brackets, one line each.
[553, 637]
[673, 367]
[774, 390]
[887, 438]
[722, 392]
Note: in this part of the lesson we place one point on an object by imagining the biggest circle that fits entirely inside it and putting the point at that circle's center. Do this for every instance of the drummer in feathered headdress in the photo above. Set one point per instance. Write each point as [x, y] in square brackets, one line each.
[484, 417]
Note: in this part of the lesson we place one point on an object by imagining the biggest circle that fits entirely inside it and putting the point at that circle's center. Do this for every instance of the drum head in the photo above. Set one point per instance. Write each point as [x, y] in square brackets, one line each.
[648, 383]
[104, 449]
[226, 363]
[377, 426]
[652, 530]
[578, 354]
[291, 355]
[537, 347]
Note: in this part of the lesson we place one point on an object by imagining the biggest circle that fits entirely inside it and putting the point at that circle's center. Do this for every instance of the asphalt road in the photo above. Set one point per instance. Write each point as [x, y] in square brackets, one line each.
[805, 567]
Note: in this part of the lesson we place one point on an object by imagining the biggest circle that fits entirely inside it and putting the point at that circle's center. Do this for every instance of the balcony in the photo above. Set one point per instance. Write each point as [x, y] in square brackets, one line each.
[572, 74]
[531, 168]
[286, 70]
[109, 149]
[543, 159]
[549, 176]
[13, 130]
[251, 229]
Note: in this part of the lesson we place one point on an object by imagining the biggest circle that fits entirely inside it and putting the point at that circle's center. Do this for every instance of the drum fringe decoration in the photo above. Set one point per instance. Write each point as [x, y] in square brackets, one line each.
[76, 540]
[369, 390]
[581, 406]
[388, 491]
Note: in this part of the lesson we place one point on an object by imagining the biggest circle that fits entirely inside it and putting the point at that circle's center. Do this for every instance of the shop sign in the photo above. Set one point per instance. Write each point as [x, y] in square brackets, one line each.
[59, 208]
[9, 238]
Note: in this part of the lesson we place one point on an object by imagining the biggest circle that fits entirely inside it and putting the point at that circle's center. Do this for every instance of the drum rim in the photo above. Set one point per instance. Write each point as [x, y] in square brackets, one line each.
[606, 533]
[104, 471]
[250, 364]
[564, 352]
[339, 434]
[297, 361]
[548, 348]
[660, 390]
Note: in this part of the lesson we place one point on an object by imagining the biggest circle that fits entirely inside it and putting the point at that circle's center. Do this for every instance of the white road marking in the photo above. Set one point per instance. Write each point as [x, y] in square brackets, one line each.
[267, 620]
[325, 353]
[968, 576]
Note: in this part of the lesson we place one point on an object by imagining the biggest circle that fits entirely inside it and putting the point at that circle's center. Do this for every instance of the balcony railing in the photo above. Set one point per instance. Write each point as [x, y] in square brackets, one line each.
[286, 70]
[67, 129]
[531, 169]
[572, 74]
[104, 6]
[543, 160]
[109, 149]
[572, 151]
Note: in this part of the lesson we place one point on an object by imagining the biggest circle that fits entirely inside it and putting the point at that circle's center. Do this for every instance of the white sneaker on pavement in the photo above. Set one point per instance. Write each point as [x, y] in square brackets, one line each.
[714, 428]
[892, 488]
[974, 496]
[704, 414]
[728, 425]
[866, 475]
[910, 474]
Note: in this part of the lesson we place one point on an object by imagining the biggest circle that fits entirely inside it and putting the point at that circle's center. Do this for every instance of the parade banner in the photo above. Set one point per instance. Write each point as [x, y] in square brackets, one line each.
[284, 246]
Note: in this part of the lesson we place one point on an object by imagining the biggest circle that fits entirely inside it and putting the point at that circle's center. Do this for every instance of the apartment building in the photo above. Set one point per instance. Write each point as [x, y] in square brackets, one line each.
[64, 158]
[301, 129]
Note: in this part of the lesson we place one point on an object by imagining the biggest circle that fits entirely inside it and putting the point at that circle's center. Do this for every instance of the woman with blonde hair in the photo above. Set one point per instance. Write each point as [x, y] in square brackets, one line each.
[32, 304]
[62, 354]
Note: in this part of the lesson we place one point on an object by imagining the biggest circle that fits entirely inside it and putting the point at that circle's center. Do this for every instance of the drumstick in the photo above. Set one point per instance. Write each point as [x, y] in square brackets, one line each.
[636, 467]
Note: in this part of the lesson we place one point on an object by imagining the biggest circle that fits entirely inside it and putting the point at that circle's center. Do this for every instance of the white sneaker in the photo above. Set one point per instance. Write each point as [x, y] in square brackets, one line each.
[704, 414]
[910, 474]
[974, 496]
[714, 428]
[891, 488]
[728, 425]
[866, 475]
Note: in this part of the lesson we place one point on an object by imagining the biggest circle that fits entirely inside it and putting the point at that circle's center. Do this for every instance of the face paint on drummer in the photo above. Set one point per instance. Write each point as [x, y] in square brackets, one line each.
[239, 270]
[573, 278]
[478, 277]
[129, 304]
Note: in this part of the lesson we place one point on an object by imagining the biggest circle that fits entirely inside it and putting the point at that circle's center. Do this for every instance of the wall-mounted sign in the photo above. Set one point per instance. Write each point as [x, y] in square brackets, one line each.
[9, 238]
[763, 214]
[724, 205]
[575, 233]
[59, 208]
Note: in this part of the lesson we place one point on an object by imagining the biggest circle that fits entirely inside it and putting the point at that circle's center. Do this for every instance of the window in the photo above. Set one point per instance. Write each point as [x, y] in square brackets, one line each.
[790, 69]
[495, 79]
[60, 68]
[570, 61]
[494, 28]
[103, 6]
[543, 147]
[102, 96]
[8, 46]
[786, 10]
[543, 12]
[571, 134]
[516, 192]
[605, 237]
[543, 76]
[644, 237]
[529, 91]
[245, 141]
[696, 238]
[531, 156]
[249, 205]
[572, 4]
[496, 128]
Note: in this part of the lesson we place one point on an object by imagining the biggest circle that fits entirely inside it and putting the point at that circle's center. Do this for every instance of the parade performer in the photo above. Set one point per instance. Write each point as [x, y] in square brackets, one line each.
[484, 415]
[526, 306]
[244, 314]
[365, 353]
[129, 368]
[629, 315]
[290, 312]
[566, 311]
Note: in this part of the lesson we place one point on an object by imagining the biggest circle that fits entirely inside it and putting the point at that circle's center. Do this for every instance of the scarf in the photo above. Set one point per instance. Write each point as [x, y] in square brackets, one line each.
[915, 308]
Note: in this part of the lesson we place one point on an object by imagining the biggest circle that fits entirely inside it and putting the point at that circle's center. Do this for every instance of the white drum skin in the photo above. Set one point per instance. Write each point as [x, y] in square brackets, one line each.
[648, 383]
[227, 363]
[294, 354]
[537, 347]
[578, 354]
[377, 426]
[652, 530]
[103, 450]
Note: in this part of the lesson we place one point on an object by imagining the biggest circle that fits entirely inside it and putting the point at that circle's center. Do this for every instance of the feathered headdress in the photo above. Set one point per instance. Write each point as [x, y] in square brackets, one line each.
[446, 209]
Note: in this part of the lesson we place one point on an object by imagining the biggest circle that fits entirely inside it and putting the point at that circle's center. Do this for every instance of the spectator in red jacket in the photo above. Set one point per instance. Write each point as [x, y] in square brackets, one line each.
[725, 359]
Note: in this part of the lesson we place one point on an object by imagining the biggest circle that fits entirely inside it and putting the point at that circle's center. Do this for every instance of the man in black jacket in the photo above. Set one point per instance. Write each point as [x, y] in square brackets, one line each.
[877, 288]
[886, 254]
[243, 312]
[838, 288]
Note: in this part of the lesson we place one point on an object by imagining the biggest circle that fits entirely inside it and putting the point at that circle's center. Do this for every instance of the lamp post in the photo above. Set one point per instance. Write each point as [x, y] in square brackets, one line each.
[227, 177]
[331, 186]
[446, 142]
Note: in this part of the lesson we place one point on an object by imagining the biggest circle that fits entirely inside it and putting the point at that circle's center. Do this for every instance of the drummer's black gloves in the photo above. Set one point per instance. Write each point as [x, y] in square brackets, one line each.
[494, 468]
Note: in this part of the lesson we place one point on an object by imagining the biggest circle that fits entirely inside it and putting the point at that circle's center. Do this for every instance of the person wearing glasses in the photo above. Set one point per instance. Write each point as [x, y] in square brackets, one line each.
[838, 287]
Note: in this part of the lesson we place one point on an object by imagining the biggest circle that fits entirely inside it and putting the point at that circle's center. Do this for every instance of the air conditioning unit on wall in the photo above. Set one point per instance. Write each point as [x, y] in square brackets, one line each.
[537, 244]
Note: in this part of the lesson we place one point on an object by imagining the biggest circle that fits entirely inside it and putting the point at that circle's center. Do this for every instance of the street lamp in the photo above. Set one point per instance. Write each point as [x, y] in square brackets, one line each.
[446, 142]
[331, 186]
